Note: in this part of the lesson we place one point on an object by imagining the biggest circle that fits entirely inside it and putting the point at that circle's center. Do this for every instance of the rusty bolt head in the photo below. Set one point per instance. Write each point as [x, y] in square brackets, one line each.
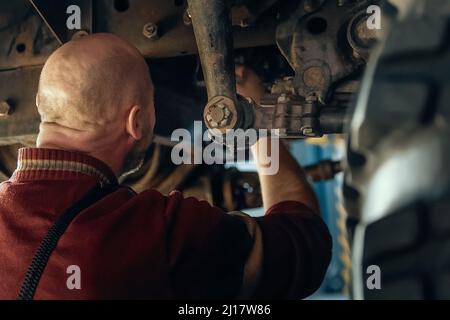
[5, 109]
[218, 115]
[150, 31]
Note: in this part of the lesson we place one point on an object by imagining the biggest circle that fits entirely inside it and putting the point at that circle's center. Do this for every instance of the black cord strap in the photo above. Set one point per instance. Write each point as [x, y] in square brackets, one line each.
[48, 244]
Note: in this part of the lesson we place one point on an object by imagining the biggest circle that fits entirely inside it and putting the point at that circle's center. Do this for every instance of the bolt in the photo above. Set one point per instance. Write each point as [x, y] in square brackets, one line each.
[187, 20]
[308, 132]
[218, 115]
[150, 31]
[5, 109]
[282, 98]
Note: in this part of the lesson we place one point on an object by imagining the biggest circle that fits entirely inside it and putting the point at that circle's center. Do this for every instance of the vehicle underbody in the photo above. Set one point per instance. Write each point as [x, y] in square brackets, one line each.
[311, 54]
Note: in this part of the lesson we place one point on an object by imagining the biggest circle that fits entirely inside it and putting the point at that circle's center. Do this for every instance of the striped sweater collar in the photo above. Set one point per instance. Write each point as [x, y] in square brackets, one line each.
[53, 164]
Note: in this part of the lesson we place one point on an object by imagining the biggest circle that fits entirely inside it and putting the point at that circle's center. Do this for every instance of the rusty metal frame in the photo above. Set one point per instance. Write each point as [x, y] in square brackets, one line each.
[38, 35]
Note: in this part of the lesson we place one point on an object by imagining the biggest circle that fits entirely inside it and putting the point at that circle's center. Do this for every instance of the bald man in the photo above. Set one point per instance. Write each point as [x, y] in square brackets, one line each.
[95, 99]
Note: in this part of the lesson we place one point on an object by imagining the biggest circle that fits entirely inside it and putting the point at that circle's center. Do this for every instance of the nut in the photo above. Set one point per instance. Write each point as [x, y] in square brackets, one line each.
[218, 115]
[150, 31]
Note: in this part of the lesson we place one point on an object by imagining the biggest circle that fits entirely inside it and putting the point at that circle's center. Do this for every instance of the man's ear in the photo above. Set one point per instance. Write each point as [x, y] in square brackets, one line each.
[134, 124]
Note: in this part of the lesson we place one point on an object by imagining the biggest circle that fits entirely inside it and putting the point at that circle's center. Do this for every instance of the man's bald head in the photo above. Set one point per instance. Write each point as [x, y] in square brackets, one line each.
[90, 81]
[94, 89]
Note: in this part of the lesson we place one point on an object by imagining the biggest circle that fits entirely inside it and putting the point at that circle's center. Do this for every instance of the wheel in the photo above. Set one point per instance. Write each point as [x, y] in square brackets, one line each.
[397, 184]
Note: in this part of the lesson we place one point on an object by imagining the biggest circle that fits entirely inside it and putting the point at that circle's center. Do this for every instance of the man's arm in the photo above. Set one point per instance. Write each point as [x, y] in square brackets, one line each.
[288, 184]
[296, 242]
[284, 254]
[211, 254]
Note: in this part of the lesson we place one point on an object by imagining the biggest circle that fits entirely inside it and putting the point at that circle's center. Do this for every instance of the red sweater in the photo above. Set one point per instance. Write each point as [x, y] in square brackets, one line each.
[148, 245]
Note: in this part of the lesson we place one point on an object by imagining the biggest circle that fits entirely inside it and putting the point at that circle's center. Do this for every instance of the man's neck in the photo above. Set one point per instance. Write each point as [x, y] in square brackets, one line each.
[62, 138]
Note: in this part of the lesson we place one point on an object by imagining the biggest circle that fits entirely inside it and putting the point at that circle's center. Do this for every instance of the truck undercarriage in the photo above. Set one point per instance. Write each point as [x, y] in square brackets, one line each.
[319, 61]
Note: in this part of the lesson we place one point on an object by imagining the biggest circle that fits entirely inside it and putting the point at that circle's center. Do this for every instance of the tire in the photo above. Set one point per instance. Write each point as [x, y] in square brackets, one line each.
[397, 186]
